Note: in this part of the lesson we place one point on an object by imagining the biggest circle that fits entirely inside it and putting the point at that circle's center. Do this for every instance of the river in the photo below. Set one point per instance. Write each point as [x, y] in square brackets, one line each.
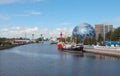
[46, 60]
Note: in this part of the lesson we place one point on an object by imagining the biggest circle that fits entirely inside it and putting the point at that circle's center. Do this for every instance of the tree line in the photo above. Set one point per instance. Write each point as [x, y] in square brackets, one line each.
[5, 42]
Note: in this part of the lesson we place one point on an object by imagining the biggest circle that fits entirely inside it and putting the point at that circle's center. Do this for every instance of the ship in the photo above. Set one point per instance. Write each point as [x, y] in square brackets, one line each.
[70, 46]
[77, 47]
[53, 41]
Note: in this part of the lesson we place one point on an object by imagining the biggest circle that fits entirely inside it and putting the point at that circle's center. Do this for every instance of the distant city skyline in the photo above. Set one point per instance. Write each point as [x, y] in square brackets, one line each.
[50, 17]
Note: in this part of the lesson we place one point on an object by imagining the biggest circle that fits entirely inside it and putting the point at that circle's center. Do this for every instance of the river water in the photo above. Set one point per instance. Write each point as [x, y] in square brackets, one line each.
[45, 60]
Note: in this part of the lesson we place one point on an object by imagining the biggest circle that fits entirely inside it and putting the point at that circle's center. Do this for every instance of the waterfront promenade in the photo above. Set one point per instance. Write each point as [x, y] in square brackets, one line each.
[103, 50]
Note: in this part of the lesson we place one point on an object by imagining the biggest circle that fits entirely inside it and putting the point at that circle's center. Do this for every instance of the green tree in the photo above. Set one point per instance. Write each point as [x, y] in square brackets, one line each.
[39, 39]
[5, 42]
[90, 41]
[68, 39]
[94, 41]
[100, 39]
[116, 35]
[87, 41]
[108, 36]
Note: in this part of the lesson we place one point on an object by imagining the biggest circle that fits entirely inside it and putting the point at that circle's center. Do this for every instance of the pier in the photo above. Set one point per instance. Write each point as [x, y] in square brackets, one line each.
[103, 50]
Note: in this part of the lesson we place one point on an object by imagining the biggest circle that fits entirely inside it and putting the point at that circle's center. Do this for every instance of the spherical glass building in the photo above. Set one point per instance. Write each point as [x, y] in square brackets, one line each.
[83, 31]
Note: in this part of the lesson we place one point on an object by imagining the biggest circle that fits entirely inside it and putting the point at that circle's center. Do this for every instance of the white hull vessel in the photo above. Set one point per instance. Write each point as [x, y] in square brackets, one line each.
[53, 41]
[73, 47]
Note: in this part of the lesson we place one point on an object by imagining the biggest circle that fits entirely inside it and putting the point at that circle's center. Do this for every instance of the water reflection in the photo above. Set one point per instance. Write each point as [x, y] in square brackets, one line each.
[100, 56]
[46, 60]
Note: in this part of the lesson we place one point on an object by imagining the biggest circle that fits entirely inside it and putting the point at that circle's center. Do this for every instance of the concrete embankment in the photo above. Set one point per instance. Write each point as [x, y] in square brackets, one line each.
[105, 51]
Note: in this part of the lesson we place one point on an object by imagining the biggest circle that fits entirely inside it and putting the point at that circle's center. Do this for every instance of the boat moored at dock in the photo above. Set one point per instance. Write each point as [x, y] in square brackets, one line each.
[71, 46]
[78, 47]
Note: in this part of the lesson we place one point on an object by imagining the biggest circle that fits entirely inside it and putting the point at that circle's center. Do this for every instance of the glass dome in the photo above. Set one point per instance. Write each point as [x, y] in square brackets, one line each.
[83, 31]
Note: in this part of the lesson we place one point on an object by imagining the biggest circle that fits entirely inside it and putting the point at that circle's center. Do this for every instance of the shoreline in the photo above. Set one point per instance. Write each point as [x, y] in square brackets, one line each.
[113, 53]
[10, 46]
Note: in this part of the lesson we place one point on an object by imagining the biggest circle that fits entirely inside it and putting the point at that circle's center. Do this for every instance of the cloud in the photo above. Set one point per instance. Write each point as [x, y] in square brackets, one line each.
[14, 1]
[4, 17]
[21, 31]
[65, 31]
[34, 12]
[29, 13]
[8, 1]
[37, 0]
[65, 23]
[18, 31]
[21, 15]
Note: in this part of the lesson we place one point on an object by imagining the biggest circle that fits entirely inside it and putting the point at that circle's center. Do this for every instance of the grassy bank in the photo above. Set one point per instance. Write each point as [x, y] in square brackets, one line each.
[7, 47]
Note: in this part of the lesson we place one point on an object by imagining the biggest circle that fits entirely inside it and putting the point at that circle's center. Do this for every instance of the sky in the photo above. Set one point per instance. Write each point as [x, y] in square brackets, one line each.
[50, 17]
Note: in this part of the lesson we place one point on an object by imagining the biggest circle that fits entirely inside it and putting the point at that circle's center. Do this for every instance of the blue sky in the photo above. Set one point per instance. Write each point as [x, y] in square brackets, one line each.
[54, 16]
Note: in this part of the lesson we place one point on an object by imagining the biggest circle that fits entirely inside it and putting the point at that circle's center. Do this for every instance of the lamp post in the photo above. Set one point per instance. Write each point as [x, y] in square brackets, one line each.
[41, 35]
[32, 37]
[104, 32]
[25, 35]
[61, 37]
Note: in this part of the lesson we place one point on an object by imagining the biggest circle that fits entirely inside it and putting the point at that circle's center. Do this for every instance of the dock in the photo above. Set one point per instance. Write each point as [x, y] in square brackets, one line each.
[105, 51]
